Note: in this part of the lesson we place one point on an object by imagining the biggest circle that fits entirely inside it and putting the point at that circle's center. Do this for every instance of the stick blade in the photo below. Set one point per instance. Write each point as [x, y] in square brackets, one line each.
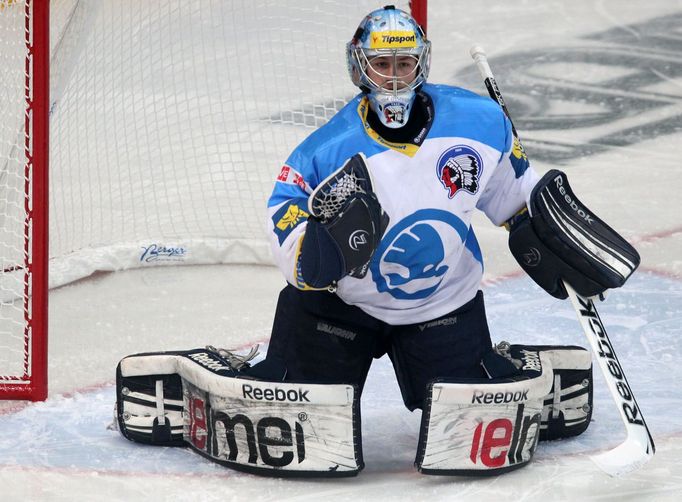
[625, 458]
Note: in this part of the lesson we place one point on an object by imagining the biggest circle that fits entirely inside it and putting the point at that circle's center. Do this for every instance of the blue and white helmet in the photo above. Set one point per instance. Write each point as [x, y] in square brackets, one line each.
[388, 59]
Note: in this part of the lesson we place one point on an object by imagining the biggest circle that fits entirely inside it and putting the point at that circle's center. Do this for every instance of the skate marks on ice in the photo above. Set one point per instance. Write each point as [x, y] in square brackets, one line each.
[644, 320]
[613, 88]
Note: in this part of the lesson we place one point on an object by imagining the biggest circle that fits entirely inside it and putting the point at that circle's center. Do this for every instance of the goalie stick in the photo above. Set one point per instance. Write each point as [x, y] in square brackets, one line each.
[638, 447]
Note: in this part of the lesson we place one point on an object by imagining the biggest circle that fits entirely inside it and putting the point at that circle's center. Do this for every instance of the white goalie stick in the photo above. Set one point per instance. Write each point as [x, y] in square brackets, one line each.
[638, 447]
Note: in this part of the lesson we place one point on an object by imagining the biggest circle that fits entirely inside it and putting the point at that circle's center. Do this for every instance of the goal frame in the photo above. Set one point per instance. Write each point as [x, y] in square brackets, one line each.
[33, 384]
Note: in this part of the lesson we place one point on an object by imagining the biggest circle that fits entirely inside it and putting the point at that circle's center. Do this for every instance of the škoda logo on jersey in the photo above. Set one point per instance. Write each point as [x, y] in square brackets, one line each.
[460, 168]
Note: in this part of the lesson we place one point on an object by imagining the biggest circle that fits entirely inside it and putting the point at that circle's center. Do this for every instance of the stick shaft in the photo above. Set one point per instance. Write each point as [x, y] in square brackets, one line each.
[639, 446]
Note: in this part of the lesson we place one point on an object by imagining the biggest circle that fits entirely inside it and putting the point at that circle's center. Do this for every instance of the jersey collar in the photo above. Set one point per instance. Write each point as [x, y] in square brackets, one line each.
[409, 149]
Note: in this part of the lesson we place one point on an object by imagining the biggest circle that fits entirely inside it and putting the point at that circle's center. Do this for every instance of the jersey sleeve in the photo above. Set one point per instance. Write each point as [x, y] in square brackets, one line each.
[288, 214]
[511, 183]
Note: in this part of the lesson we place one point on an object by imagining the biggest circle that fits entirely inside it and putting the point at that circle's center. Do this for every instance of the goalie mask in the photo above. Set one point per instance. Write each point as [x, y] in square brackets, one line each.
[388, 59]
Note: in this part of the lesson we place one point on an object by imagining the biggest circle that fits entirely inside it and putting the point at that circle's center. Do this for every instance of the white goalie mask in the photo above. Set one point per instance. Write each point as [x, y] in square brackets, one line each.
[388, 59]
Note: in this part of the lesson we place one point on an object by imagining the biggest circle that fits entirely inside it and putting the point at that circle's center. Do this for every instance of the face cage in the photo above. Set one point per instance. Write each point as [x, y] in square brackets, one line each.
[362, 59]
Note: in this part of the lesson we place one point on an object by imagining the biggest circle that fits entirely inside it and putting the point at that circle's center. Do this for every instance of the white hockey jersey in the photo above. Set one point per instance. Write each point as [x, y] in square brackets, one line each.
[428, 262]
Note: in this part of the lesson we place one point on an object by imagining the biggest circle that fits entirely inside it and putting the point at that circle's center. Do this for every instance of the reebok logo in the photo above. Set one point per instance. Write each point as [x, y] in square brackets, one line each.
[480, 397]
[559, 181]
[207, 361]
[605, 351]
[276, 394]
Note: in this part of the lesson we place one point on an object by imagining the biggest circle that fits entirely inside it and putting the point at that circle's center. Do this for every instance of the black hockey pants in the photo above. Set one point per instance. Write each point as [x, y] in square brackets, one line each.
[318, 338]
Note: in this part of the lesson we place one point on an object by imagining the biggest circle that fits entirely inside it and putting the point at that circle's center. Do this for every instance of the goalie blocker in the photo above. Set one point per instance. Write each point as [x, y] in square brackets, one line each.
[487, 427]
[562, 240]
[195, 398]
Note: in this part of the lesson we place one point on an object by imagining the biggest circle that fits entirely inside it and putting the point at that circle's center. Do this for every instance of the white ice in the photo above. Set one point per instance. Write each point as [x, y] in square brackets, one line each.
[62, 449]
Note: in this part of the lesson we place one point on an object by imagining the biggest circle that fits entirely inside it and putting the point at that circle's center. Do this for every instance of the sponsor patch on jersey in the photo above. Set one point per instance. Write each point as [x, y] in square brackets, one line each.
[518, 158]
[290, 176]
[288, 217]
[460, 168]
[392, 39]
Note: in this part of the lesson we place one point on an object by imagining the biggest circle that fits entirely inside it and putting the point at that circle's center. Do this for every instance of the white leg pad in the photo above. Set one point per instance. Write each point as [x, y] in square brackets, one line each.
[485, 427]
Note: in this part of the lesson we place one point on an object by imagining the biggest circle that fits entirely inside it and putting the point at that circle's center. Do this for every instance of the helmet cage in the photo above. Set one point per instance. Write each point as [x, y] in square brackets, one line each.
[391, 96]
[394, 83]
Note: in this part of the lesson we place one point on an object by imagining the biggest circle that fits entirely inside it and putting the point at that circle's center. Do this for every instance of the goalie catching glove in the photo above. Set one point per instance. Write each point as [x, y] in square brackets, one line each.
[561, 240]
[345, 228]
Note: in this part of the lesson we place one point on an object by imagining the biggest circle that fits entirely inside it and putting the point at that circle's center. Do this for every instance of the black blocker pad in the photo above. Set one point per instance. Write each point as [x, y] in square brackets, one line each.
[564, 240]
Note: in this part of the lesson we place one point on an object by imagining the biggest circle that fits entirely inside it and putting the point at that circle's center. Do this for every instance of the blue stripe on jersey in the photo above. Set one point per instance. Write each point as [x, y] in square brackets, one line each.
[462, 113]
[283, 192]
[471, 243]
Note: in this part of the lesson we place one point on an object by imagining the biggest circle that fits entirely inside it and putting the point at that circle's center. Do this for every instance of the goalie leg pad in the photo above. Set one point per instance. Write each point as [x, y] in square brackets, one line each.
[563, 240]
[194, 398]
[484, 427]
[567, 408]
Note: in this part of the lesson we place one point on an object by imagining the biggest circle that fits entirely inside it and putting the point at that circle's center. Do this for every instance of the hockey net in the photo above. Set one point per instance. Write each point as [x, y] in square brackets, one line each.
[169, 121]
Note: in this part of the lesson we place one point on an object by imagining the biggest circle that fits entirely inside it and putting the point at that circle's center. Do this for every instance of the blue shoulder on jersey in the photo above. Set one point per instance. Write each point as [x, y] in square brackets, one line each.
[458, 112]
[325, 150]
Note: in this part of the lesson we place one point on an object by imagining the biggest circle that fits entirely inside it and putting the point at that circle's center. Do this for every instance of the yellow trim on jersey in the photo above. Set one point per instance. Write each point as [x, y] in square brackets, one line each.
[508, 224]
[392, 39]
[518, 151]
[407, 148]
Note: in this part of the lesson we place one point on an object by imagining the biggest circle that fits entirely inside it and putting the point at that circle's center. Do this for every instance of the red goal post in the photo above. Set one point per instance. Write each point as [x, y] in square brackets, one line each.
[168, 122]
[23, 187]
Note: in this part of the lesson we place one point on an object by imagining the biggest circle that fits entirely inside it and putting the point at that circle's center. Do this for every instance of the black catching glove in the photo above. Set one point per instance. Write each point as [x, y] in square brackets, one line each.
[345, 227]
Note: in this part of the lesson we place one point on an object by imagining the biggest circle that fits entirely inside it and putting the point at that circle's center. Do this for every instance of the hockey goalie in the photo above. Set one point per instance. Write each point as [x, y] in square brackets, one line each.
[370, 223]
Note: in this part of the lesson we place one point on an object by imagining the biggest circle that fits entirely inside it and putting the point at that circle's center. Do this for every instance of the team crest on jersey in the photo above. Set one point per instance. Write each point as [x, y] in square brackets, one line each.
[394, 112]
[460, 168]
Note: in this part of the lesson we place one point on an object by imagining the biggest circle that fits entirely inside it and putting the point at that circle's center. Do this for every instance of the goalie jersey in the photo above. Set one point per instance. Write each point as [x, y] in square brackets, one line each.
[428, 262]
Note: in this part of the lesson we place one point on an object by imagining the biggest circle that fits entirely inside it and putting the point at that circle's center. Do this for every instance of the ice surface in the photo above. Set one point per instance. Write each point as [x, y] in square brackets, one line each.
[619, 64]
